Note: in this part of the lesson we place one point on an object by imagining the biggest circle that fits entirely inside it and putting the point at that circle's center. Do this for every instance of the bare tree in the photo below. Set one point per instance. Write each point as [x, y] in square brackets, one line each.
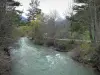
[52, 24]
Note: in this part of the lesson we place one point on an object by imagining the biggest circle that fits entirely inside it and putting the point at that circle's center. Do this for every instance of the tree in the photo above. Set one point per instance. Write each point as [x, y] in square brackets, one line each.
[92, 7]
[34, 10]
[6, 25]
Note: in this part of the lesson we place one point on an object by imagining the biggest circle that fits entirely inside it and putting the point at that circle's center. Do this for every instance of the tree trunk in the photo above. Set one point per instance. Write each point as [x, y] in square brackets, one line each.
[91, 26]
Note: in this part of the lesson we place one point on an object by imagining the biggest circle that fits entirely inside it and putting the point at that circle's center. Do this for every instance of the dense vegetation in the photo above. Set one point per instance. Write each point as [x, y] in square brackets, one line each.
[86, 21]
[78, 32]
[8, 22]
[8, 32]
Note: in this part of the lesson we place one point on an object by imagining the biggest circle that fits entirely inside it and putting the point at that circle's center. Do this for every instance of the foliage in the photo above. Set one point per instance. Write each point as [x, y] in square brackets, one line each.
[7, 25]
[34, 10]
[65, 45]
[88, 22]
[25, 30]
[80, 21]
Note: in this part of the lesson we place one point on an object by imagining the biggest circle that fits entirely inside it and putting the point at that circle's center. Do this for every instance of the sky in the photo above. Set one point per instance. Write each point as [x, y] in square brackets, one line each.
[61, 6]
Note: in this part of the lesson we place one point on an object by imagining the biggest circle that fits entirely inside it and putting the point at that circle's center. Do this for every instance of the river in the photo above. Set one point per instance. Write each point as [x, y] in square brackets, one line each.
[30, 59]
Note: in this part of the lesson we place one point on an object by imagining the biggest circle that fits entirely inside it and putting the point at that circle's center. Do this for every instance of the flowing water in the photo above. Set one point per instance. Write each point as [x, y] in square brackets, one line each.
[30, 59]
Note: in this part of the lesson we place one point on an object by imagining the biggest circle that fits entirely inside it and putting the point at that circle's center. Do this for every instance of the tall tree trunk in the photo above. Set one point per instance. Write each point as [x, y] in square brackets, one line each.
[95, 23]
[91, 25]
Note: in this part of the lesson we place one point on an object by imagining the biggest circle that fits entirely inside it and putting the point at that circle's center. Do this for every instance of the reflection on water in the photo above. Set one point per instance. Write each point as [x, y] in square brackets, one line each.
[30, 59]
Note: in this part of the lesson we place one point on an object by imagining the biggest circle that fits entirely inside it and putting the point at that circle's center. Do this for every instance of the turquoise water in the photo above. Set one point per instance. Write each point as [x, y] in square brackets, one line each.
[30, 59]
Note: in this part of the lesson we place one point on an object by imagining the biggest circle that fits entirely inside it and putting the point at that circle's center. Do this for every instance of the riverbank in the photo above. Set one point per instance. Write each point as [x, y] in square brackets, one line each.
[88, 58]
[5, 63]
[82, 52]
[58, 45]
[5, 59]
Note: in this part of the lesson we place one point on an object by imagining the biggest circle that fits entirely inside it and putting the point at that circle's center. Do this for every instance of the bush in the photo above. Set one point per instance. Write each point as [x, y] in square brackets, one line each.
[49, 42]
[72, 42]
[65, 45]
[38, 42]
